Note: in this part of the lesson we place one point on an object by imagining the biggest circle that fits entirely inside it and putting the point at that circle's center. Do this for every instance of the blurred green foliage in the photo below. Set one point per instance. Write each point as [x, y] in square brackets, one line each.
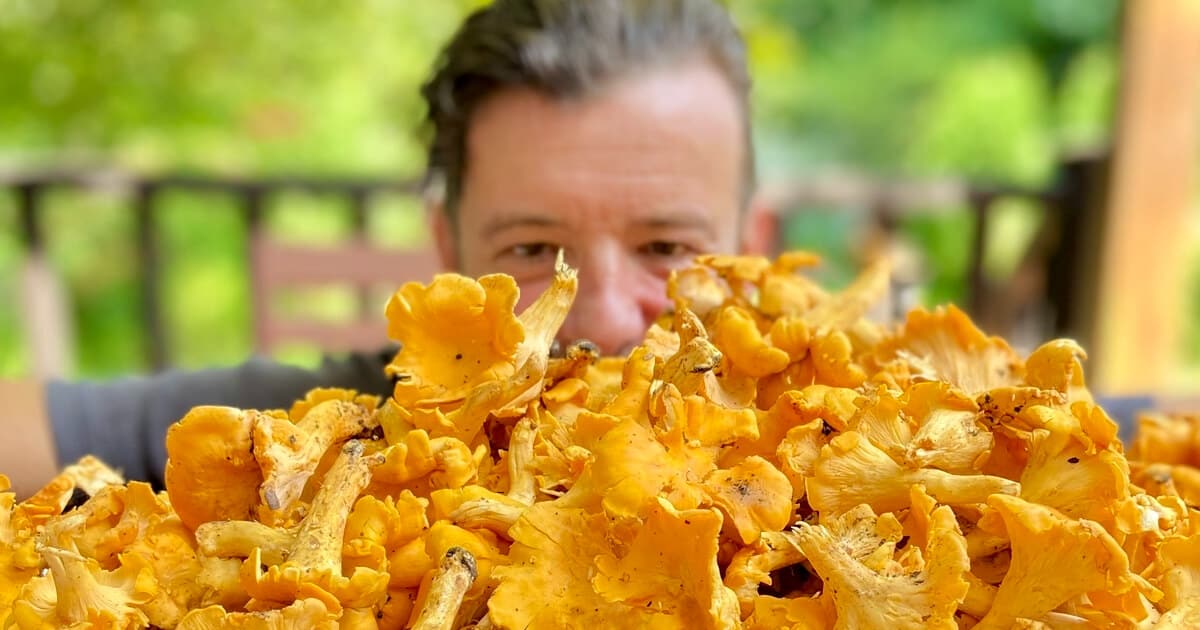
[978, 88]
[220, 85]
[992, 91]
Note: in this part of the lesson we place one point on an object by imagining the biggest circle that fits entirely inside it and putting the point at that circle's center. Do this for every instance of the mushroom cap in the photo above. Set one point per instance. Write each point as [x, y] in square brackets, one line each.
[735, 333]
[1054, 558]
[754, 496]
[455, 333]
[211, 472]
[303, 613]
[945, 345]
[871, 586]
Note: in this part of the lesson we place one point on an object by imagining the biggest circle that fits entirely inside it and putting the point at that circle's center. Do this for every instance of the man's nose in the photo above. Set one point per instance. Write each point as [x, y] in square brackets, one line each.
[615, 305]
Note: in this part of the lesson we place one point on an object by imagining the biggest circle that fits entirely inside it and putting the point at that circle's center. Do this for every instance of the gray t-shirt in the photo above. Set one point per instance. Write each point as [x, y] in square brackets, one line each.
[124, 422]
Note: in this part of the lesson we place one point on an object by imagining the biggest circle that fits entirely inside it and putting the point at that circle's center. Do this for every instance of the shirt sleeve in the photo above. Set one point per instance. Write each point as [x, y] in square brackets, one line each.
[124, 422]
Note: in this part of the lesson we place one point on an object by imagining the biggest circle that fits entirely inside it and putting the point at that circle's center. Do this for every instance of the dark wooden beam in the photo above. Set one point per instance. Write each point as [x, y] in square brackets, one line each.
[29, 197]
[150, 273]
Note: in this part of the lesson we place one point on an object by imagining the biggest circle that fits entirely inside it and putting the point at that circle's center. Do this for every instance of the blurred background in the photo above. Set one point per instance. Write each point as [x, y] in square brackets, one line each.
[172, 173]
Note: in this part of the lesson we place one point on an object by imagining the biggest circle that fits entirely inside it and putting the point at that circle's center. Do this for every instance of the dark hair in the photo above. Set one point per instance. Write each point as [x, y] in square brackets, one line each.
[566, 48]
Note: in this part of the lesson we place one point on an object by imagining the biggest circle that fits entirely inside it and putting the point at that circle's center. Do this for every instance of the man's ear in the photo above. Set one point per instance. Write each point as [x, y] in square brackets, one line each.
[760, 229]
[443, 235]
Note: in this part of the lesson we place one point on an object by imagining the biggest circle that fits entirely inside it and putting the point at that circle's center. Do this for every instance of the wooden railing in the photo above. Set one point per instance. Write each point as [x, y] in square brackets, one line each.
[1051, 260]
[1048, 273]
[272, 264]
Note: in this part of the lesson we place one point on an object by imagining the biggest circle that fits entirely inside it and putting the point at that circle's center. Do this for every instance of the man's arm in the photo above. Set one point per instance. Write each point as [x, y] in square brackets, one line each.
[124, 422]
[27, 454]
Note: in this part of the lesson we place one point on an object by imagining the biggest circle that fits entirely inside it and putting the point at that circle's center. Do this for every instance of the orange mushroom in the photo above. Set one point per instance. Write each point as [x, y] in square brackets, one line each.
[852, 471]
[288, 452]
[1054, 558]
[313, 567]
[862, 577]
[211, 473]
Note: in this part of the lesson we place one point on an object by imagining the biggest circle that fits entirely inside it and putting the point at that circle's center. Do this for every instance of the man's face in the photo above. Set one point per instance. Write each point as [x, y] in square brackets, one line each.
[631, 182]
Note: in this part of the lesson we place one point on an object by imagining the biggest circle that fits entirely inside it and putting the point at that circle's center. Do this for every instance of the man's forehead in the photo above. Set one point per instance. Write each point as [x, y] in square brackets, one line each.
[662, 146]
[691, 106]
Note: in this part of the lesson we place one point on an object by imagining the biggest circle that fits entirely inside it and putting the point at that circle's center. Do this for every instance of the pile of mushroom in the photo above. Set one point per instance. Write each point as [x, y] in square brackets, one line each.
[768, 458]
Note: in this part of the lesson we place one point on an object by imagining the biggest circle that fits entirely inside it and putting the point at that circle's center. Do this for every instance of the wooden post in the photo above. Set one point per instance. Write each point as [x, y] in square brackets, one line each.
[977, 282]
[150, 271]
[1138, 308]
[360, 207]
[254, 207]
[43, 298]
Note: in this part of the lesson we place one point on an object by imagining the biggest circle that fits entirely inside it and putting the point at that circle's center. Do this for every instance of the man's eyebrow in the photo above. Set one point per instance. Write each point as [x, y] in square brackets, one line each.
[514, 221]
[689, 219]
[672, 221]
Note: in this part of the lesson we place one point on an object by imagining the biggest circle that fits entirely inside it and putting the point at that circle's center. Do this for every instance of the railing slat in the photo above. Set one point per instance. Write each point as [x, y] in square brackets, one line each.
[976, 280]
[360, 206]
[28, 204]
[150, 273]
[253, 209]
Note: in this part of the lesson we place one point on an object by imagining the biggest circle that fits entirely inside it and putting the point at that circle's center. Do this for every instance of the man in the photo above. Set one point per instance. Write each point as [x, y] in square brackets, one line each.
[616, 130]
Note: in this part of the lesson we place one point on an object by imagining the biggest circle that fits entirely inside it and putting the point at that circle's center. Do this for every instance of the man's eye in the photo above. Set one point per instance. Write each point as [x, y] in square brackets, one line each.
[533, 250]
[666, 249]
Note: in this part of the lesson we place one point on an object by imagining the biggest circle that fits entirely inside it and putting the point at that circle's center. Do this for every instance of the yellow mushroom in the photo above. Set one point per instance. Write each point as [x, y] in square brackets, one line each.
[313, 566]
[1058, 365]
[852, 471]
[78, 592]
[736, 335]
[944, 345]
[451, 581]
[288, 452]
[766, 458]
[754, 497]
[303, 613]
[211, 472]
[18, 560]
[1054, 558]
[868, 591]
[752, 565]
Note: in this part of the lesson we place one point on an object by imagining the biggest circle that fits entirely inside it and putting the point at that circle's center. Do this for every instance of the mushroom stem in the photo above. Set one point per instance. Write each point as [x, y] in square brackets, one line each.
[323, 426]
[541, 321]
[487, 514]
[747, 571]
[546, 315]
[237, 539]
[573, 362]
[451, 581]
[318, 545]
[979, 597]
[485, 623]
[521, 484]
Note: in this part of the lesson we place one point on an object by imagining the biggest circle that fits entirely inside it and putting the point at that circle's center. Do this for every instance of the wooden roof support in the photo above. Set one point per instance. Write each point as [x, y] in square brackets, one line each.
[1138, 306]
